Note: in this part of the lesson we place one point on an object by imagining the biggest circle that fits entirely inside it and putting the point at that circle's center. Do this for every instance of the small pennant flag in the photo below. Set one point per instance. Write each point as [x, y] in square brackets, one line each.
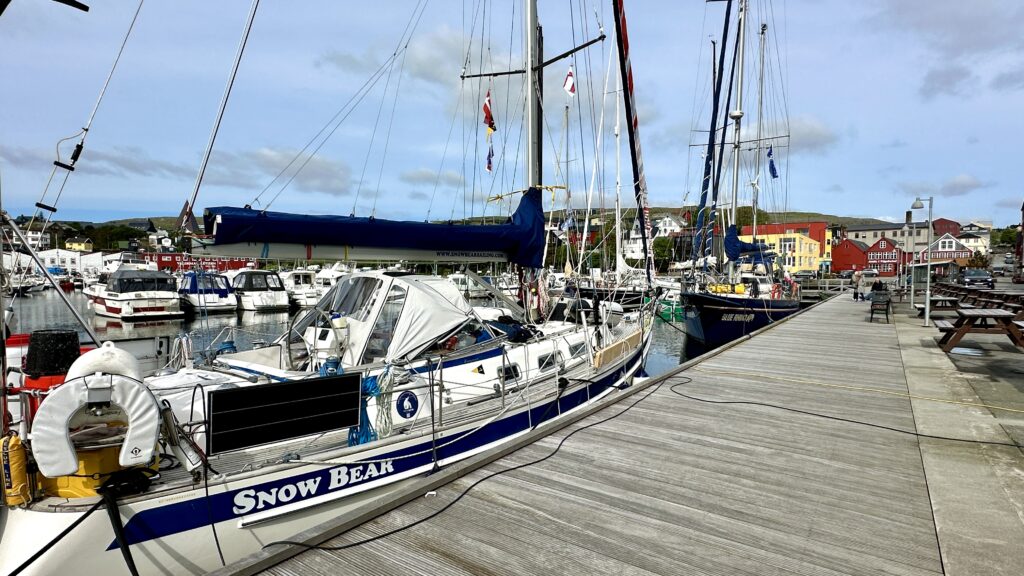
[490, 156]
[488, 117]
[479, 369]
[570, 83]
[771, 164]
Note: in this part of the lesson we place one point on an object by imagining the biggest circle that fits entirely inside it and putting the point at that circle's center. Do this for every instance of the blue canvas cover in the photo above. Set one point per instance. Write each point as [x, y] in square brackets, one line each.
[522, 238]
[735, 248]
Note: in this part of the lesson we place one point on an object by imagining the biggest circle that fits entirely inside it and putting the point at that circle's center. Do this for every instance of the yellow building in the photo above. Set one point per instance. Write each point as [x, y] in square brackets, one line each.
[78, 244]
[799, 252]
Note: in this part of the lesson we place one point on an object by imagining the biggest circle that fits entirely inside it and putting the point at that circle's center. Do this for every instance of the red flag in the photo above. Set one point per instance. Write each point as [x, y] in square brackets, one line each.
[570, 83]
[488, 117]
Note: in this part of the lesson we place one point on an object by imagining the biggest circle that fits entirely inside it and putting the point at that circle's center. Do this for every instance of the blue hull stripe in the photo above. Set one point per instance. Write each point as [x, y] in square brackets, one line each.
[198, 512]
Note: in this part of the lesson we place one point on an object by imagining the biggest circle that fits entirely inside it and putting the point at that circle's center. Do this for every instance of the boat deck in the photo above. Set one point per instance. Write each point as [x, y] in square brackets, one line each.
[663, 484]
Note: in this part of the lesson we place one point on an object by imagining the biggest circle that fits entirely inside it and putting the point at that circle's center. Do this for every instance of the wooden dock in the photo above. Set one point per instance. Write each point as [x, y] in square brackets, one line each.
[667, 485]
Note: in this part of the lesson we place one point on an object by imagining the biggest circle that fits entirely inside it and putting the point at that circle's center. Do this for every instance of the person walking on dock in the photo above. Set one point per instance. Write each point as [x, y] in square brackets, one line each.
[857, 277]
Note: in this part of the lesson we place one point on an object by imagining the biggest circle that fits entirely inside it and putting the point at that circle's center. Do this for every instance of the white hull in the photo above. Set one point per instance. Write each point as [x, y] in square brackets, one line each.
[136, 306]
[263, 301]
[170, 531]
[210, 303]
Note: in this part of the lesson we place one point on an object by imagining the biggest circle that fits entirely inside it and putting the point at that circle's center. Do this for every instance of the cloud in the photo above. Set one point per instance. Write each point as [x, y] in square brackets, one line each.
[973, 140]
[835, 189]
[1011, 203]
[417, 195]
[955, 29]
[895, 143]
[951, 80]
[958, 36]
[245, 170]
[449, 178]
[809, 135]
[959, 185]
[116, 161]
[317, 174]
[1013, 80]
[889, 170]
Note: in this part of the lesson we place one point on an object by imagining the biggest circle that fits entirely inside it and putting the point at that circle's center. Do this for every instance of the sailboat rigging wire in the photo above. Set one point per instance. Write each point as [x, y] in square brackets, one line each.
[81, 134]
[223, 105]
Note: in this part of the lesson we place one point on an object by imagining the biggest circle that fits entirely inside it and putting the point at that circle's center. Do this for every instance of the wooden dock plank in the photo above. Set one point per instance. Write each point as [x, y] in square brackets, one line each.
[677, 486]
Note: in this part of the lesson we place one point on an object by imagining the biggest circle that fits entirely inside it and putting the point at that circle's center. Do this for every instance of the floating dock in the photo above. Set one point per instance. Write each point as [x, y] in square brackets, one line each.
[663, 484]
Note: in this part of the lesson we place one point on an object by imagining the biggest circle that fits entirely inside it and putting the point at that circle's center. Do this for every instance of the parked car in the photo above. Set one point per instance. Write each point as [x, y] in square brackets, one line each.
[975, 277]
[869, 273]
[846, 274]
[804, 275]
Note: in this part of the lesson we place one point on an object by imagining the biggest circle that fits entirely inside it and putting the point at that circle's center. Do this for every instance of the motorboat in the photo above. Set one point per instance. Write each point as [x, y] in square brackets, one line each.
[301, 287]
[259, 290]
[206, 293]
[134, 294]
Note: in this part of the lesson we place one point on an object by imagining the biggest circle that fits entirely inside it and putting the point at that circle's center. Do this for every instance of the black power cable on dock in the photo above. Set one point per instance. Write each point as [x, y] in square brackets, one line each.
[469, 488]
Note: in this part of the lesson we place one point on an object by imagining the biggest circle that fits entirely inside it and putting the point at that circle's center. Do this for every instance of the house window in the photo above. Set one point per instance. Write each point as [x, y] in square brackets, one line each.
[882, 244]
[876, 234]
[917, 232]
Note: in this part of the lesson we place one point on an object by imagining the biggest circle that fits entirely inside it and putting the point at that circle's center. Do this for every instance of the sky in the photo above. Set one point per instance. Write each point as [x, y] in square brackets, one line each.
[883, 101]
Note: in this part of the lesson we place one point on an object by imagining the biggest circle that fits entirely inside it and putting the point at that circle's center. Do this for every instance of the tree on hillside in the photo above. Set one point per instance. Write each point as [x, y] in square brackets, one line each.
[1006, 236]
[662, 252]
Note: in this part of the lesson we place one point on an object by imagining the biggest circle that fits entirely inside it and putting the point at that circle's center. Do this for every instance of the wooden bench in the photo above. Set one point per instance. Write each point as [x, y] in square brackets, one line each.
[943, 325]
[881, 302]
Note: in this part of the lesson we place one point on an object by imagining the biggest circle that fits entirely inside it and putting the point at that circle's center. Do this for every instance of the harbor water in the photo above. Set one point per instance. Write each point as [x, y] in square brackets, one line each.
[46, 310]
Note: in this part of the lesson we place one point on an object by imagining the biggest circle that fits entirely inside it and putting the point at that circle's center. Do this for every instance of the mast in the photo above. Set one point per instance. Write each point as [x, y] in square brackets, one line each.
[755, 185]
[535, 87]
[736, 116]
[703, 213]
[632, 126]
[618, 183]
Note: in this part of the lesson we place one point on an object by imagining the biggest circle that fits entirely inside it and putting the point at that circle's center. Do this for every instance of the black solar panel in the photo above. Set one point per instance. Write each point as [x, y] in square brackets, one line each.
[255, 415]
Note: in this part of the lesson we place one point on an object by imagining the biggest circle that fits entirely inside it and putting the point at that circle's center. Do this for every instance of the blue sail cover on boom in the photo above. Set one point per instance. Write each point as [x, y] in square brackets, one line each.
[521, 239]
[734, 247]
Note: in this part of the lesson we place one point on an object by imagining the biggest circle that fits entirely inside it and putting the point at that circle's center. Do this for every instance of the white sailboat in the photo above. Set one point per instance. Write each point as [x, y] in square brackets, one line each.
[388, 377]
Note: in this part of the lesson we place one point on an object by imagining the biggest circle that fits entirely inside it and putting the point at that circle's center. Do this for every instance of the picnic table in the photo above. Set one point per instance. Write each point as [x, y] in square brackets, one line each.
[938, 303]
[975, 321]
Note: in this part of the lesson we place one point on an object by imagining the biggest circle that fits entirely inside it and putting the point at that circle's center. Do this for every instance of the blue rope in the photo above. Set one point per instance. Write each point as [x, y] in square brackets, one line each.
[364, 432]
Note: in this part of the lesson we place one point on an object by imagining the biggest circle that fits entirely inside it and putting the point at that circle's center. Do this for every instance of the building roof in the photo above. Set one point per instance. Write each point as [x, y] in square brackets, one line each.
[885, 226]
[861, 245]
[968, 235]
[78, 240]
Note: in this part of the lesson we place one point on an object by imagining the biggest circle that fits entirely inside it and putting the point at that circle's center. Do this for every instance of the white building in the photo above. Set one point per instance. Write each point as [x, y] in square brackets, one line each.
[70, 260]
[632, 241]
[977, 236]
[36, 239]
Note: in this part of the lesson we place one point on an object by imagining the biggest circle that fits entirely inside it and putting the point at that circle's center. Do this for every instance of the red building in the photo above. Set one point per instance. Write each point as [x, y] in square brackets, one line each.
[849, 255]
[884, 256]
[175, 261]
[814, 230]
[943, 226]
[946, 247]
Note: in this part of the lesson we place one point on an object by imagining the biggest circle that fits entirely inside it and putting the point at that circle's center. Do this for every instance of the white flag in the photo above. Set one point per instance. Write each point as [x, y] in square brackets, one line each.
[570, 83]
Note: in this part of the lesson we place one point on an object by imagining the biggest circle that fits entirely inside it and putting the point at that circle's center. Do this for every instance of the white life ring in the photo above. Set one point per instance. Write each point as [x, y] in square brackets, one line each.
[51, 442]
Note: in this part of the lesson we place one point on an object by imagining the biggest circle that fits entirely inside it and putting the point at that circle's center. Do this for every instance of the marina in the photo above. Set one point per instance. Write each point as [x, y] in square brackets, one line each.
[510, 288]
[736, 464]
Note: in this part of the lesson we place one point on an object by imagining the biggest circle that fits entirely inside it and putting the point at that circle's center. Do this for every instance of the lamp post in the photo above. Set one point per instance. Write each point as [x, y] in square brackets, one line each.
[908, 267]
[917, 205]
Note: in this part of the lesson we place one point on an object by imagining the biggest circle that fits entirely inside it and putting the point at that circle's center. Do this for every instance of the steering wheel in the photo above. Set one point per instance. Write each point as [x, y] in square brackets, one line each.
[291, 350]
